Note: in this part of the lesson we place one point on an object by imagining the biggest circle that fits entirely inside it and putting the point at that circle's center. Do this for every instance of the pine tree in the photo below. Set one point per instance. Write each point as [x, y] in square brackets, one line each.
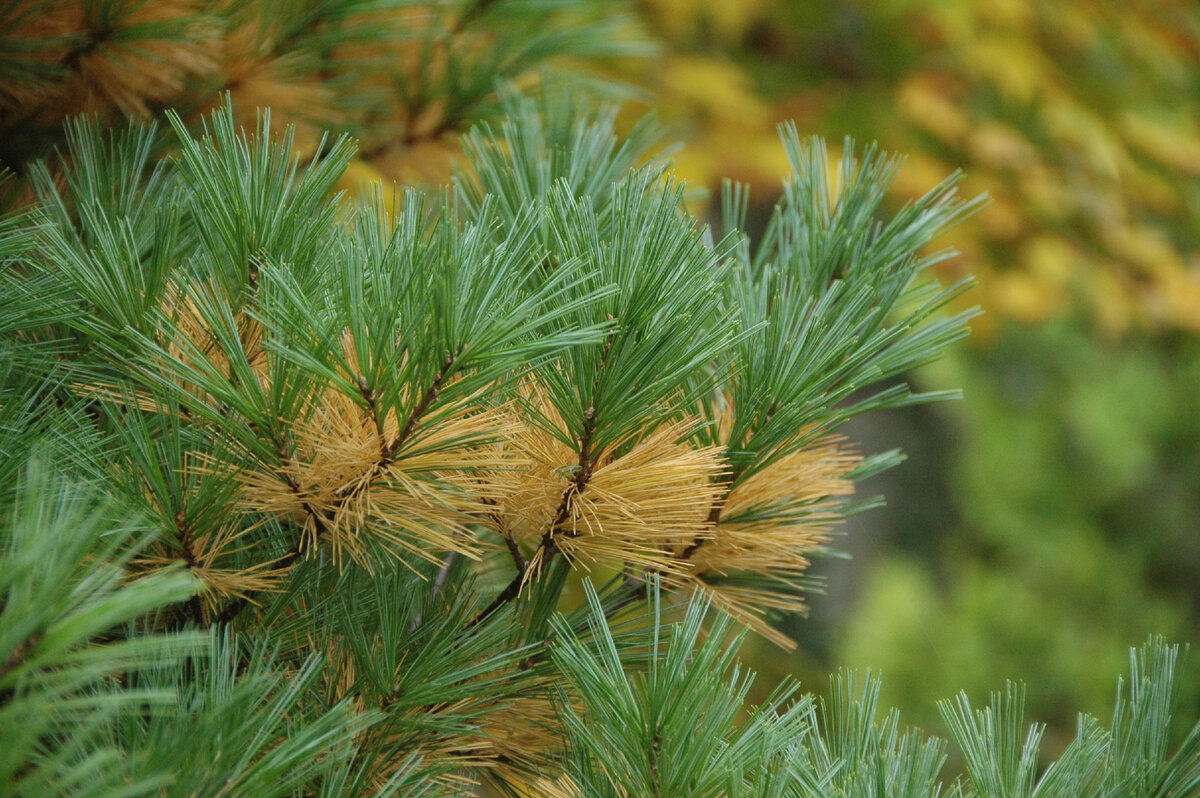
[296, 486]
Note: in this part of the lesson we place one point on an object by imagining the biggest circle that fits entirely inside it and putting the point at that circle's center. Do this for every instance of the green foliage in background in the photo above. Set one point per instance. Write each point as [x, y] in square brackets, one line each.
[1074, 517]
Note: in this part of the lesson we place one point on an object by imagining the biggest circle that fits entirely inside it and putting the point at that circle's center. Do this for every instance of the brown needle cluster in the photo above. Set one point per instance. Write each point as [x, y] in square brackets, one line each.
[259, 71]
[361, 481]
[769, 524]
[124, 55]
[357, 481]
[640, 499]
[660, 504]
[344, 481]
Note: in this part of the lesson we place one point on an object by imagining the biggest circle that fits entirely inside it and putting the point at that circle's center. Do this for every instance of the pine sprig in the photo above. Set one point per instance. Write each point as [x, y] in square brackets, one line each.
[670, 729]
[63, 644]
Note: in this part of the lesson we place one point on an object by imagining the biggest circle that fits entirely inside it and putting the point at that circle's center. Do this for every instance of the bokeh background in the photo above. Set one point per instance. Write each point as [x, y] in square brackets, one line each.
[1050, 519]
[1042, 525]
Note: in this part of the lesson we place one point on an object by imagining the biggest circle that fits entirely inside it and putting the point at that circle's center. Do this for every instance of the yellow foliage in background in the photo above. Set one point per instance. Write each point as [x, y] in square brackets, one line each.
[1078, 117]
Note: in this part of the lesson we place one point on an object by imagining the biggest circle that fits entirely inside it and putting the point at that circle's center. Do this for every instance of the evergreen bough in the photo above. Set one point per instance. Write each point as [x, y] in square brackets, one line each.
[296, 489]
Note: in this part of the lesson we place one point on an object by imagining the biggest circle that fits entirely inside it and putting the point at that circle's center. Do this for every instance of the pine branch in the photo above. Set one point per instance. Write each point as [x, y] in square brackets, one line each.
[321, 519]
[547, 548]
[383, 673]
[195, 606]
[431, 394]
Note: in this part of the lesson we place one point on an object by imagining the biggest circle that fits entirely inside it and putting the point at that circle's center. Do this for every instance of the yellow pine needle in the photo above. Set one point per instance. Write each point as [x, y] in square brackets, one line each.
[794, 501]
[119, 394]
[340, 679]
[203, 344]
[546, 787]
[634, 509]
[35, 21]
[528, 498]
[195, 342]
[523, 731]
[638, 507]
[121, 67]
[260, 74]
[506, 734]
[344, 485]
[341, 673]
[206, 554]
[750, 607]
[129, 74]
[510, 736]
[207, 551]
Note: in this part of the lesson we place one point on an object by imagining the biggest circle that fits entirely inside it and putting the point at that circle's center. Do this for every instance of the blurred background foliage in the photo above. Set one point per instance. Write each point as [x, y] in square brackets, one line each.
[1043, 525]
[1080, 118]
[404, 77]
[1051, 518]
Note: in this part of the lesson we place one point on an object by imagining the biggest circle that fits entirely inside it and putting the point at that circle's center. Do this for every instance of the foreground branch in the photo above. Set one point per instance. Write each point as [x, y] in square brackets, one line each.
[321, 519]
